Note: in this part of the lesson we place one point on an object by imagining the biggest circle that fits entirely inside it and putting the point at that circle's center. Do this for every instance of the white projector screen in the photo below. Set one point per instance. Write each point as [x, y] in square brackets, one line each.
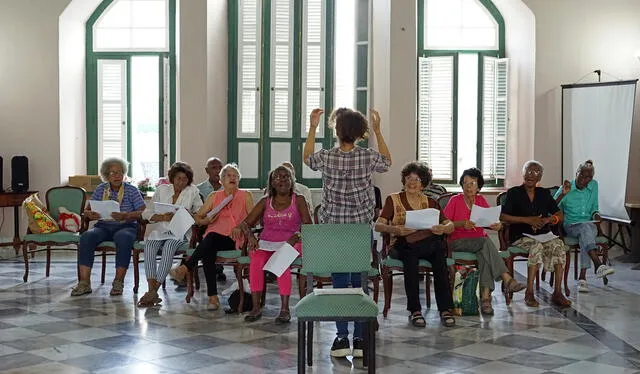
[596, 125]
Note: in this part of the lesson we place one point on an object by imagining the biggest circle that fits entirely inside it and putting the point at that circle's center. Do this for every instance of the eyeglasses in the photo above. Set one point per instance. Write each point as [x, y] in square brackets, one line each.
[114, 173]
[472, 183]
[282, 177]
[533, 172]
[412, 179]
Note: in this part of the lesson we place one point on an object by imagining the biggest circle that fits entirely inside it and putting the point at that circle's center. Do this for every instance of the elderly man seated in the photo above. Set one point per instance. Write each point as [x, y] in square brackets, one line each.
[531, 210]
[578, 200]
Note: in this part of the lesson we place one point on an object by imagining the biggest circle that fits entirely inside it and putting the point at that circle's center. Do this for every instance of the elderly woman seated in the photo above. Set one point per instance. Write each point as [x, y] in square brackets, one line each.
[121, 227]
[411, 245]
[180, 192]
[531, 210]
[281, 212]
[468, 238]
[578, 200]
[232, 206]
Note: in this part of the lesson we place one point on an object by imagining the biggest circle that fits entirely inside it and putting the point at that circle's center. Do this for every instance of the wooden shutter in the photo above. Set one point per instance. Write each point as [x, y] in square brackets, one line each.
[313, 62]
[281, 63]
[495, 117]
[249, 69]
[112, 109]
[435, 115]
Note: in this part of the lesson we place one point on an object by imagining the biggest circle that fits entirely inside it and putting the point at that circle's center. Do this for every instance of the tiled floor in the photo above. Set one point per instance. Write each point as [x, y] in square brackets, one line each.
[44, 330]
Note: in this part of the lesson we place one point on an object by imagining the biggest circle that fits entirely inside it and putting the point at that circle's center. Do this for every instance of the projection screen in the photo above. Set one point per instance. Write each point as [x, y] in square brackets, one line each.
[596, 125]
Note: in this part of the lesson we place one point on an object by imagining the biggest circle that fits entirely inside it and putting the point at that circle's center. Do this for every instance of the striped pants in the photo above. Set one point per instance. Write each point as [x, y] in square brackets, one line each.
[159, 271]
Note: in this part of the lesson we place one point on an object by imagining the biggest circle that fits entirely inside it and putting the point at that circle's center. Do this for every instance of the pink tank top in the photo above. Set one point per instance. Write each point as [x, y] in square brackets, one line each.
[278, 226]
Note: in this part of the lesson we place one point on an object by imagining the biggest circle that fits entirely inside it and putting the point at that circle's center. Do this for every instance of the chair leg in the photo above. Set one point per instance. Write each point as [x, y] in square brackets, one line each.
[48, 266]
[371, 343]
[196, 278]
[190, 291]
[136, 271]
[575, 263]
[376, 289]
[537, 280]
[310, 343]
[567, 265]
[25, 257]
[301, 346]
[302, 285]
[427, 289]
[104, 266]
[238, 270]
[551, 278]
[387, 285]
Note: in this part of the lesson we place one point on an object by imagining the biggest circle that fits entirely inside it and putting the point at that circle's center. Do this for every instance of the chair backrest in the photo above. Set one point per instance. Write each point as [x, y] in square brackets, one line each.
[501, 198]
[72, 198]
[443, 200]
[553, 190]
[316, 210]
[336, 248]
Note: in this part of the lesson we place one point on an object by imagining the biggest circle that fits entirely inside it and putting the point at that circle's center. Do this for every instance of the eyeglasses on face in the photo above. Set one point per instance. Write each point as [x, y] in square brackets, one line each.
[470, 184]
[412, 179]
[281, 177]
[533, 172]
[115, 173]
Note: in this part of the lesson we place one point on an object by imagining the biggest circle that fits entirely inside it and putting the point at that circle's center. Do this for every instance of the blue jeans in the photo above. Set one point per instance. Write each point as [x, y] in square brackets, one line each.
[341, 280]
[123, 234]
[586, 233]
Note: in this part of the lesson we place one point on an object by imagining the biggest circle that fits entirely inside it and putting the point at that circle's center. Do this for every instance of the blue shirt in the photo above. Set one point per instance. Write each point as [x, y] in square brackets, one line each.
[579, 205]
[131, 201]
[206, 188]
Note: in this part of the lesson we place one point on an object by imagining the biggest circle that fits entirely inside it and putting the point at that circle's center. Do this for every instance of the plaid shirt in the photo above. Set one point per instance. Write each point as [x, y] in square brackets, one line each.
[348, 195]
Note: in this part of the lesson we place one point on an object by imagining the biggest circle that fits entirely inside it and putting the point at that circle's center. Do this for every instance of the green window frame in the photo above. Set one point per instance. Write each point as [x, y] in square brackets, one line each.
[167, 90]
[260, 137]
[498, 55]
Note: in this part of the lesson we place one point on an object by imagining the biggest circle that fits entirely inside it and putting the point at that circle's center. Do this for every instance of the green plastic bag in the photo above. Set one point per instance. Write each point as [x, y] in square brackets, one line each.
[465, 292]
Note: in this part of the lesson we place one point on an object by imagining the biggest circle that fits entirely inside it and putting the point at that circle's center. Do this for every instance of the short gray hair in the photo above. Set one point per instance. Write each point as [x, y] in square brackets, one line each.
[229, 166]
[532, 162]
[586, 165]
[211, 159]
[104, 167]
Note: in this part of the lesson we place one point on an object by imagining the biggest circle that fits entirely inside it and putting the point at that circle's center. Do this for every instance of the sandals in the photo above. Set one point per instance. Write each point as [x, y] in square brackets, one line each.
[82, 288]
[485, 307]
[531, 301]
[418, 320]
[252, 317]
[559, 300]
[447, 319]
[149, 299]
[515, 286]
[117, 287]
[215, 305]
[284, 317]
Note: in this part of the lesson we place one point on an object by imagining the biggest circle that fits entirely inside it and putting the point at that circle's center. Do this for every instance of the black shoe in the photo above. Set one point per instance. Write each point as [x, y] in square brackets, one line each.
[221, 277]
[340, 347]
[357, 348]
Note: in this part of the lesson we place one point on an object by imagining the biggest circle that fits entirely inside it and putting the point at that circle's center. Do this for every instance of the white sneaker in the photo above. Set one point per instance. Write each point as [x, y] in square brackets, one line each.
[604, 270]
[582, 286]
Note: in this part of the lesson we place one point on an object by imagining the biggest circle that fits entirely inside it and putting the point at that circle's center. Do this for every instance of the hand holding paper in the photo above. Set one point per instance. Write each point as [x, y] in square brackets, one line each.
[281, 259]
[422, 219]
[485, 217]
[104, 208]
[162, 208]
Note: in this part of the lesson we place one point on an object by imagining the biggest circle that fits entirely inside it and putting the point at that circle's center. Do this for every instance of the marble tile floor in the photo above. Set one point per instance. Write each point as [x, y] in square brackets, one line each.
[44, 330]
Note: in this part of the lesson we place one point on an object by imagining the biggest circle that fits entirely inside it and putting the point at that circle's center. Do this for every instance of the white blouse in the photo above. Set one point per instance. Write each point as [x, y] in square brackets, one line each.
[189, 199]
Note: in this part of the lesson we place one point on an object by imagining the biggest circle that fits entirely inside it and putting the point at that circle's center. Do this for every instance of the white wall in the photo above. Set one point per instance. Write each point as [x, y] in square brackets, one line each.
[29, 114]
[575, 37]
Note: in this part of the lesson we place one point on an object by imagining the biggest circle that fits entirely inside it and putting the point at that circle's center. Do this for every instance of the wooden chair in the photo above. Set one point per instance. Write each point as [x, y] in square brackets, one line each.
[73, 199]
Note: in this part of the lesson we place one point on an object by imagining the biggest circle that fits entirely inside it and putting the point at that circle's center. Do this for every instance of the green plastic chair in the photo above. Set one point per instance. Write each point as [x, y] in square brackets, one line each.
[335, 248]
[72, 198]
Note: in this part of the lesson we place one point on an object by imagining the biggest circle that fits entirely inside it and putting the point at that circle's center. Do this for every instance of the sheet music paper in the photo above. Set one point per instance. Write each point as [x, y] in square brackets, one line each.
[162, 208]
[270, 246]
[181, 223]
[219, 207]
[281, 259]
[104, 208]
[542, 238]
[422, 219]
[339, 291]
[485, 217]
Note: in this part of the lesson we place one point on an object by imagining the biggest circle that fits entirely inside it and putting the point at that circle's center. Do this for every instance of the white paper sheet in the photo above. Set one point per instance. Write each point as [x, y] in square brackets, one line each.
[339, 291]
[181, 223]
[422, 219]
[219, 207]
[485, 217]
[270, 246]
[162, 208]
[542, 238]
[281, 259]
[104, 208]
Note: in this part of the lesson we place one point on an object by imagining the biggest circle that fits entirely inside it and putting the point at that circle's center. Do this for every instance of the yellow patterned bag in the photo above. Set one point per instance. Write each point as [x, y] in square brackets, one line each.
[40, 222]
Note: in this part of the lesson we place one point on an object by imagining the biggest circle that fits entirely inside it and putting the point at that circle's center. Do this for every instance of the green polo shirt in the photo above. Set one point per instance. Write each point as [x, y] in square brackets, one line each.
[579, 205]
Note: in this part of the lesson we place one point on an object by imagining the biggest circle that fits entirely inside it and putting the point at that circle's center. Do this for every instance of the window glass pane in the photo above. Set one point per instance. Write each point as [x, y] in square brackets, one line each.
[111, 39]
[345, 53]
[248, 124]
[145, 117]
[148, 38]
[363, 51]
[459, 24]
[116, 15]
[467, 111]
[362, 20]
[149, 13]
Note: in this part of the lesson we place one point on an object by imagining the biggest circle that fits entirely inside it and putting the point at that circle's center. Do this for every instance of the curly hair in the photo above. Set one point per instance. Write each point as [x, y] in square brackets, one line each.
[180, 167]
[472, 173]
[421, 169]
[351, 125]
[292, 179]
[104, 167]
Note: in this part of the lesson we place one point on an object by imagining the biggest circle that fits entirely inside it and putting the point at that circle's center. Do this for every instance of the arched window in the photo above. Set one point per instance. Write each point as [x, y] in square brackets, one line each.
[130, 60]
[287, 57]
[462, 88]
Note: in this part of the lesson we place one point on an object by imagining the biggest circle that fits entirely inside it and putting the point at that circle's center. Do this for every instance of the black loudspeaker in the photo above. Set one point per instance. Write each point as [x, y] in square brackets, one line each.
[19, 173]
[1, 175]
